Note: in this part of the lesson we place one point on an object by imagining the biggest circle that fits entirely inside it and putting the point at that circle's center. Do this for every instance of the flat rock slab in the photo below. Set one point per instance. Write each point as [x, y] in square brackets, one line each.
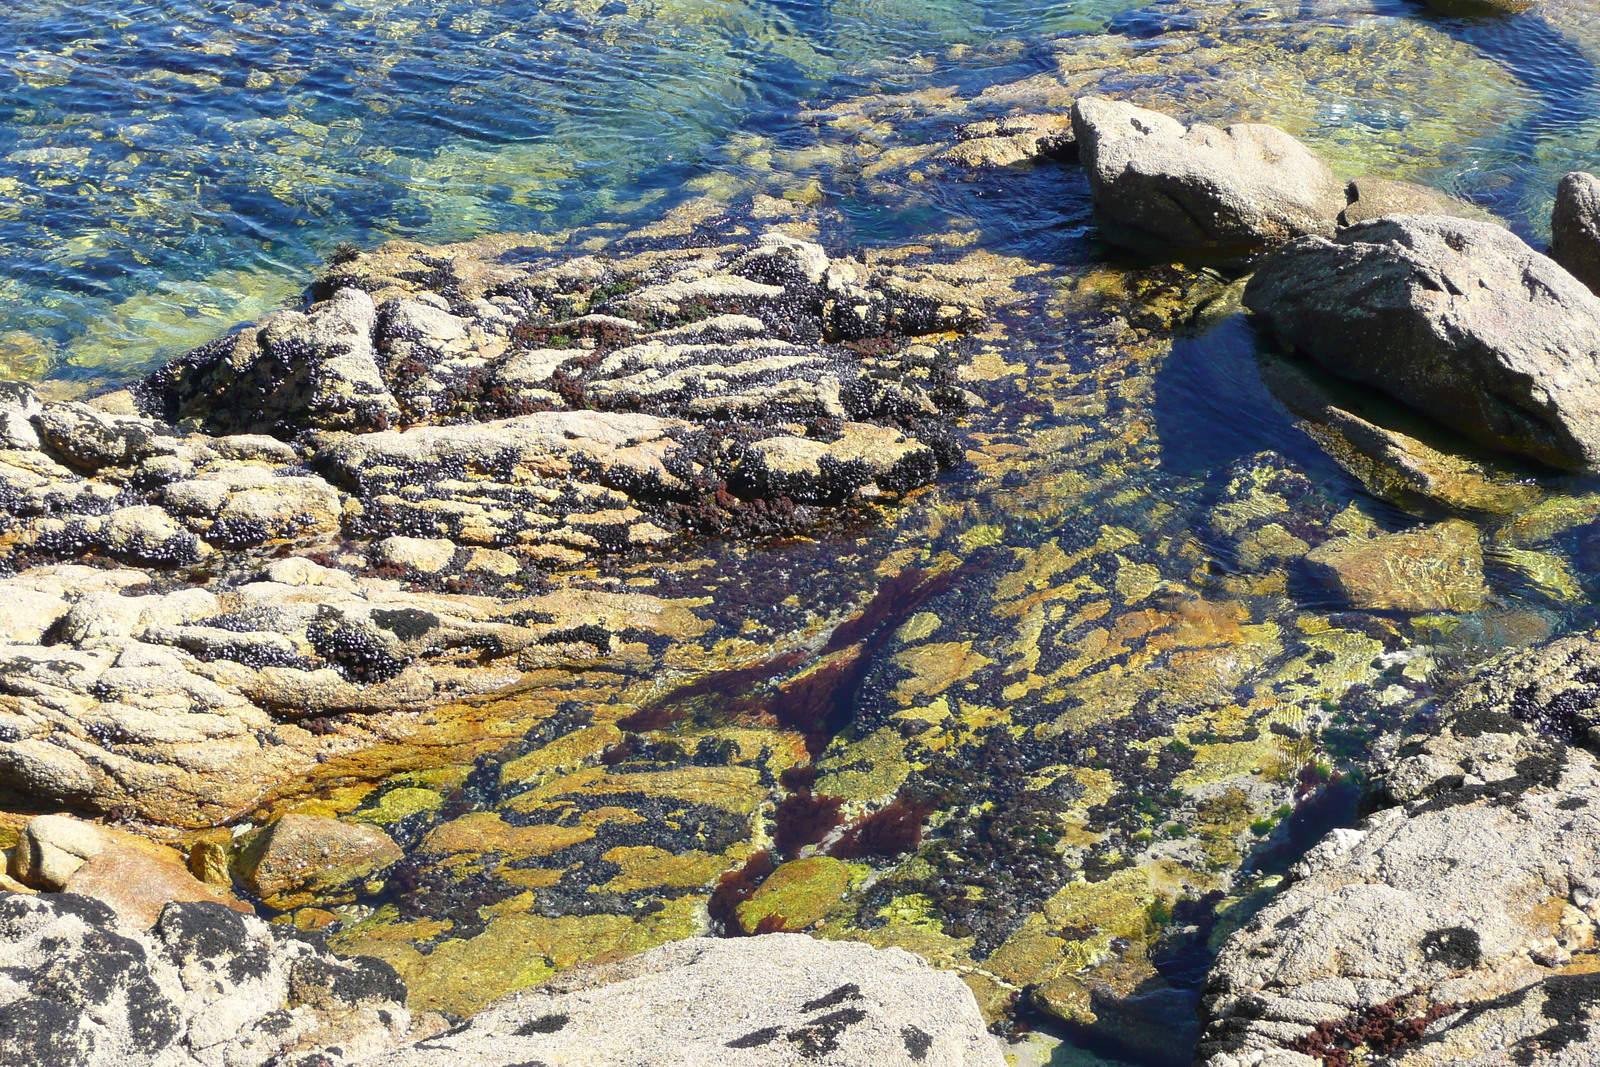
[770, 1001]
[1459, 319]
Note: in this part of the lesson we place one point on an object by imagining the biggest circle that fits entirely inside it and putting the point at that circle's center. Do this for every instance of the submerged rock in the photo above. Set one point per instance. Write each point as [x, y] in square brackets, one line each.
[1437, 568]
[300, 858]
[1575, 228]
[1459, 319]
[1232, 189]
[781, 999]
[1372, 198]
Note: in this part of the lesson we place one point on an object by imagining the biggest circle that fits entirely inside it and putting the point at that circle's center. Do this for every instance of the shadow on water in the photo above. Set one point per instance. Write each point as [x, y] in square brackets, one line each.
[1212, 410]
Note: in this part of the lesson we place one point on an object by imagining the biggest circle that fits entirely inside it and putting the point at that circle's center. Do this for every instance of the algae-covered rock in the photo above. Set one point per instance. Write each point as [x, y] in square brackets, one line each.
[300, 858]
[796, 895]
[1435, 568]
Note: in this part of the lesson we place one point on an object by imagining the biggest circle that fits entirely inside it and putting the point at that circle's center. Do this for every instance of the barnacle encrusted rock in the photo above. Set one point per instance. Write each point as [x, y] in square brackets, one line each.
[205, 987]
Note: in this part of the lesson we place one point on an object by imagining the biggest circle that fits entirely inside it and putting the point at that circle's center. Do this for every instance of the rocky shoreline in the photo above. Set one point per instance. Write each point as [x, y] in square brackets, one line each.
[519, 612]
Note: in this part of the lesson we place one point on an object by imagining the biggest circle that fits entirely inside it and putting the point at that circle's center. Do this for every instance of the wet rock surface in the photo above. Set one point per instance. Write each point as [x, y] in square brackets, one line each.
[1456, 927]
[1457, 318]
[1012, 664]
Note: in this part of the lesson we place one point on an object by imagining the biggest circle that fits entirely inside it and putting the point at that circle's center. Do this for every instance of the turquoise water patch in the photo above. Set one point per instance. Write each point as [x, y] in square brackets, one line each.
[170, 168]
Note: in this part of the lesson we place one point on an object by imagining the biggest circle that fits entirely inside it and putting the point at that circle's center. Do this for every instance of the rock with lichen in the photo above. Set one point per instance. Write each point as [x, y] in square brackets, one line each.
[1457, 926]
[204, 986]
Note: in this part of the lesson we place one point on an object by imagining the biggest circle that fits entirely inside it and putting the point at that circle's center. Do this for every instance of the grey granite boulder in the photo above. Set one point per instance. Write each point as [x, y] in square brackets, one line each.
[1575, 228]
[1457, 927]
[206, 987]
[772, 1001]
[1459, 319]
[1235, 189]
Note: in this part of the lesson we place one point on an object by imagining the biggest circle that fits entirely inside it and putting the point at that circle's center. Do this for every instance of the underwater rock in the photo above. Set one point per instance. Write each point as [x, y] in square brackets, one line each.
[1232, 189]
[1436, 568]
[1455, 928]
[1011, 140]
[1482, 7]
[780, 999]
[1459, 319]
[206, 986]
[1371, 198]
[1575, 228]
[1397, 454]
[300, 858]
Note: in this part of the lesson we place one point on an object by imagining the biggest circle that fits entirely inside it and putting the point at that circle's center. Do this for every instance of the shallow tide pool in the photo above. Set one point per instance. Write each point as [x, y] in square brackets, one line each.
[171, 168]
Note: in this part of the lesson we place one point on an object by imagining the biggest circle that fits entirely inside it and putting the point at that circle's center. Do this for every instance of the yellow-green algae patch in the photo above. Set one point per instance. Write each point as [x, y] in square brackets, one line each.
[796, 895]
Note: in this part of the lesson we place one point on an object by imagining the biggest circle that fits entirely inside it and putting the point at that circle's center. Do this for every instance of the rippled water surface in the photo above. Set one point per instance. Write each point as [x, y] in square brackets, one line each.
[169, 168]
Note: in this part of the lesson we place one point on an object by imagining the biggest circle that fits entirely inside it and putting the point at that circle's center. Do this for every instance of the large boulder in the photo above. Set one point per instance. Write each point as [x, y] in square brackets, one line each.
[1575, 228]
[1456, 927]
[1457, 318]
[1233, 189]
[777, 1000]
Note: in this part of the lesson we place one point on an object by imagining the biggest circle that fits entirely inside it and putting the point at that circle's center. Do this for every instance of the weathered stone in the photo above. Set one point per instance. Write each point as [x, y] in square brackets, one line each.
[138, 884]
[782, 999]
[1456, 928]
[1436, 568]
[1575, 228]
[51, 849]
[426, 555]
[1457, 318]
[1229, 189]
[206, 986]
[300, 858]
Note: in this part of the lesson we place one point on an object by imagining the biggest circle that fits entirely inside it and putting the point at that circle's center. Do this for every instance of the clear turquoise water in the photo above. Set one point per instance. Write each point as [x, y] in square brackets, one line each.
[170, 167]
